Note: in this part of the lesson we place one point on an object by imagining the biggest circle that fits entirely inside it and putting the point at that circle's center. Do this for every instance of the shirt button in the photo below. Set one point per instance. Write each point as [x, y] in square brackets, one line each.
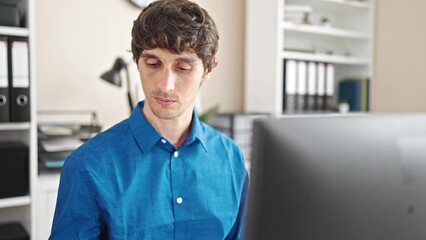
[176, 154]
[163, 140]
[179, 200]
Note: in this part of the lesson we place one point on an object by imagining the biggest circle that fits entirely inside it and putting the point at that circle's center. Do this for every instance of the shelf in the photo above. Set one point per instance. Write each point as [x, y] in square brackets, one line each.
[350, 3]
[318, 57]
[328, 31]
[15, 202]
[14, 31]
[14, 126]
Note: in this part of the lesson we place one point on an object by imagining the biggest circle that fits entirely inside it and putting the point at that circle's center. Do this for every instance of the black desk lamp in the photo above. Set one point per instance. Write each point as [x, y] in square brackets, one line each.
[113, 76]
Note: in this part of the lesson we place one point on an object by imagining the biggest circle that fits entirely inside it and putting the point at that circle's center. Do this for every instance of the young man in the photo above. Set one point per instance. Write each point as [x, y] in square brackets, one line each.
[161, 173]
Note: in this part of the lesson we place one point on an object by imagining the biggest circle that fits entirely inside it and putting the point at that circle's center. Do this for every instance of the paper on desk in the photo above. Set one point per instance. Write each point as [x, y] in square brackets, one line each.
[62, 144]
[50, 130]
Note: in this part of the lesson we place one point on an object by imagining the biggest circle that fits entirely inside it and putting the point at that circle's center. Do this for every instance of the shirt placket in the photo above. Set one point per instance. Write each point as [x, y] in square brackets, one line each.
[180, 199]
[177, 180]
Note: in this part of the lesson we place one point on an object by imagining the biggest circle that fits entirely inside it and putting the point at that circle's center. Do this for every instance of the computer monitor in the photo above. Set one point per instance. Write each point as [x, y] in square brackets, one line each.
[352, 177]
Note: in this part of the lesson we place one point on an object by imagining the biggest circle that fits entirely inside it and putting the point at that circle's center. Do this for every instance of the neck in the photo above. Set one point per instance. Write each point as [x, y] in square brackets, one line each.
[175, 130]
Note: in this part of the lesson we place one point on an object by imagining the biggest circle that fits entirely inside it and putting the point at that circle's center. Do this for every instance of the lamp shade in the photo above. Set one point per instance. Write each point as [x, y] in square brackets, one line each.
[113, 75]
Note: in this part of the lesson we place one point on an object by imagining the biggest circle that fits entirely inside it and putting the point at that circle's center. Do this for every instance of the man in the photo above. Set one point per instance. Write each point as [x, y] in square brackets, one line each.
[161, 173]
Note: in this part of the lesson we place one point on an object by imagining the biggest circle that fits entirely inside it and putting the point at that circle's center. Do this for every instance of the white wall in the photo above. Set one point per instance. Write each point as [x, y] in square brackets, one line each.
[226, 87]
[76, 41]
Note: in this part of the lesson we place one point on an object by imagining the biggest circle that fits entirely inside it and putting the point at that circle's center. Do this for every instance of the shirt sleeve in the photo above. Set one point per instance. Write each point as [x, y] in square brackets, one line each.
[237, 231]
[76, 214]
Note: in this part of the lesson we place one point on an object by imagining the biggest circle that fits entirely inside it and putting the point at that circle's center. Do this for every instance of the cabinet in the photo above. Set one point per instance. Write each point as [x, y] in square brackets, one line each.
[346, 42]
[47, 192]
[21, 209]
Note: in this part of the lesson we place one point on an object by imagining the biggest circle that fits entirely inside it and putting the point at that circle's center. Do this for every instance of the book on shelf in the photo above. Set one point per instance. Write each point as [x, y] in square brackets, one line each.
[355, 91]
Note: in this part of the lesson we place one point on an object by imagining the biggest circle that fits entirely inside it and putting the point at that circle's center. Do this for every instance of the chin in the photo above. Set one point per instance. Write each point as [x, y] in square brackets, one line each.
[165, 112]
[172, 111]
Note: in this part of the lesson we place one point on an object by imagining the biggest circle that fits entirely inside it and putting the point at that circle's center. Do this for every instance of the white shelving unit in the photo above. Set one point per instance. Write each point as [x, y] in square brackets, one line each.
[350, 4]
[321, 57]
[15, 202]
[326, 31]
[14, 126]
[347, 43]
[22, 209]
[14, 31]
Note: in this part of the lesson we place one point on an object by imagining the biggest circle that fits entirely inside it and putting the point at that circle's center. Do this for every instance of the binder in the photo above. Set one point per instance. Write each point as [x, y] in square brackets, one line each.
[355, 91]
[19, 80]
[365, 89]
[350, 91]
[312, 85]
[301, 85]
[290, 70]
[4, 81]
[329, 86]
[319, 97]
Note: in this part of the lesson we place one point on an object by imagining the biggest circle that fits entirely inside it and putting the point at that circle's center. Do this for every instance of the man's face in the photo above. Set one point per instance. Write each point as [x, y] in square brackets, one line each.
[171, 81]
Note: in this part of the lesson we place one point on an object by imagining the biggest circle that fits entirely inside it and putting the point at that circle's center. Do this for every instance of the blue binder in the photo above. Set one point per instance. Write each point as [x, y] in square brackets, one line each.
[350, 91]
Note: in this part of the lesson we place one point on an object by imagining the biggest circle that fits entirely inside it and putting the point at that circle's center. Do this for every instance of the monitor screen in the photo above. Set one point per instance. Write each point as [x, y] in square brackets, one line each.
[346, 177]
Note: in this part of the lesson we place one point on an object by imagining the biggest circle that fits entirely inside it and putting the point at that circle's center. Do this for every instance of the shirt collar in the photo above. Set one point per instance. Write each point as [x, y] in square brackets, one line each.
[197, 132]
[147, 136]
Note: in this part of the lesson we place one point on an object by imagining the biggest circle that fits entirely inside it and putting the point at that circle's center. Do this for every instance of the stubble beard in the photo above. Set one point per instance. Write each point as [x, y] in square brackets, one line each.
[166, 113]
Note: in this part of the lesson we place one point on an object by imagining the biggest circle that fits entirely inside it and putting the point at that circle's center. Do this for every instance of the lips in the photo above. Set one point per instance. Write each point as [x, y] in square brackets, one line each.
[164, 101]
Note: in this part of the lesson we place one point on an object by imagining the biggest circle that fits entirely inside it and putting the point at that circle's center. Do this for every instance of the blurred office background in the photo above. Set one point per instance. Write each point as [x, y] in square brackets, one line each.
[78, 40]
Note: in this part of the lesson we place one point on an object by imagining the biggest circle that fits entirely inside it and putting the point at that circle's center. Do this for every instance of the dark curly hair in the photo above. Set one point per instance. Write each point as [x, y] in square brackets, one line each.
[178, 26]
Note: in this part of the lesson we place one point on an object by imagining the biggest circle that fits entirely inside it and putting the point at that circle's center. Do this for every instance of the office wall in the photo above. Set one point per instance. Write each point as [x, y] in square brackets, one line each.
[76, 41]
[400, 83]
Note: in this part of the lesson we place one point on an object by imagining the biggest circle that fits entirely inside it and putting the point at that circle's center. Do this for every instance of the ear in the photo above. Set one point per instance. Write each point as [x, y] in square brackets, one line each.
[209, 70]
[206, 76]
[207, 73]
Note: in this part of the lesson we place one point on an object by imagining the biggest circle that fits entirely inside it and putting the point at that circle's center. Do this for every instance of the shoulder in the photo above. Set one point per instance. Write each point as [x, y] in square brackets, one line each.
[214, 136]
[224, 146]
[96, 149]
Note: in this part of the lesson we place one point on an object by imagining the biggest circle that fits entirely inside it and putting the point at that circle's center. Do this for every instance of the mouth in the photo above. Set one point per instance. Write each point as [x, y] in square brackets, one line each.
[164, 101]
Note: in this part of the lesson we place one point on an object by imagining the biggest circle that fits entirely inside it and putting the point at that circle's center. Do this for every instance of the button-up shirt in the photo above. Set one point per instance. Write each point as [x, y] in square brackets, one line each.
[129, 182]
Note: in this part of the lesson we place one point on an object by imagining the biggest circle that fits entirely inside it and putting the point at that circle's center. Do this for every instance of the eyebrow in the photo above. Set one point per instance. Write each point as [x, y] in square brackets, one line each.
[179, 59]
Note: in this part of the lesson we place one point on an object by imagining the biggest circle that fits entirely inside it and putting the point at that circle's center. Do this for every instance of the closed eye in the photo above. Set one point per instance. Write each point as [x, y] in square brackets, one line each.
[183, 67]
[153, 63]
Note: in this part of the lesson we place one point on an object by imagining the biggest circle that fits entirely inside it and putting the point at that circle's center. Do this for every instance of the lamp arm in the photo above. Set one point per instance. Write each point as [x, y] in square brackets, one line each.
[129, 96]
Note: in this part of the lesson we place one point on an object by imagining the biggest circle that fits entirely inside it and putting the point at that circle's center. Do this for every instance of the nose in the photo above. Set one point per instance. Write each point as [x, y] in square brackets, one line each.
[166, 82]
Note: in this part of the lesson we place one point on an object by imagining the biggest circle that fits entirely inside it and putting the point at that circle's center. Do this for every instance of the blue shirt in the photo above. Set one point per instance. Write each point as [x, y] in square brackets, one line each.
[131, 183]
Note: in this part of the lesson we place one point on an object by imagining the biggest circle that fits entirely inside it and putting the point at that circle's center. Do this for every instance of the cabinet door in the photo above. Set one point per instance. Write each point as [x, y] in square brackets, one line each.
[46, 209]
[46, 202]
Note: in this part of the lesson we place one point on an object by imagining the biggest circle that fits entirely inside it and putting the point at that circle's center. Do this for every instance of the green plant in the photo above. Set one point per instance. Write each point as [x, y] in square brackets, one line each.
[205, 116]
